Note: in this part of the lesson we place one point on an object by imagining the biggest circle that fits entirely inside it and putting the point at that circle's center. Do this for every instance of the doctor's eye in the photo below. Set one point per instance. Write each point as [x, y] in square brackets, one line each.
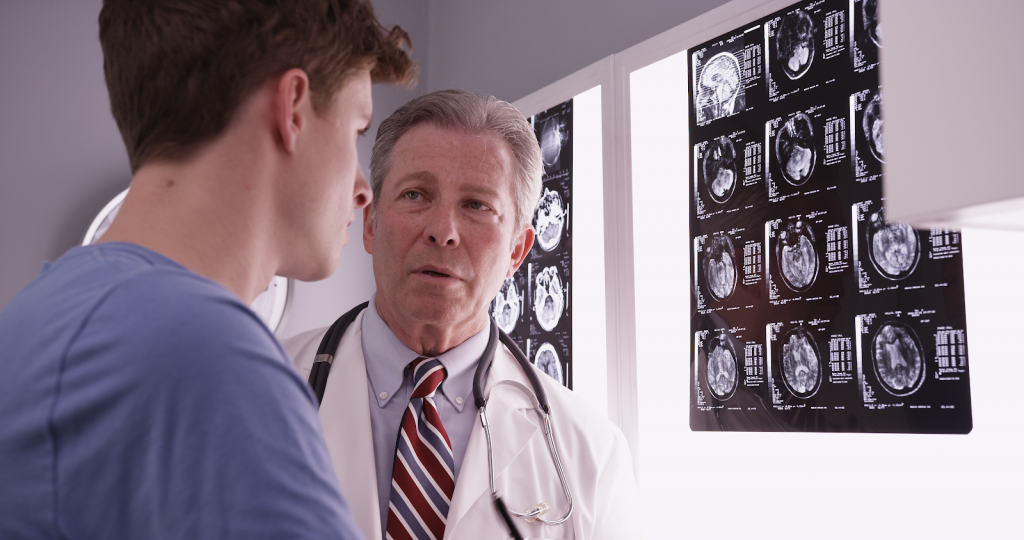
[477, 205]
[412, 195]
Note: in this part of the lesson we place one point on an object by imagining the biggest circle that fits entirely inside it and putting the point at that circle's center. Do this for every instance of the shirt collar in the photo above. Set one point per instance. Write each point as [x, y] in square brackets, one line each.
[387, 357]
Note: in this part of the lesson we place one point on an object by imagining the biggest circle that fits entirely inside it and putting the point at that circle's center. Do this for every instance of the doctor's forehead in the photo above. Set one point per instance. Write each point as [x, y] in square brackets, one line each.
[477, 161]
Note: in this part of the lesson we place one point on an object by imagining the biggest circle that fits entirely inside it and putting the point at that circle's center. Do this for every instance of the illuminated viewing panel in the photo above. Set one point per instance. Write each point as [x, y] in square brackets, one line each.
[554, 306]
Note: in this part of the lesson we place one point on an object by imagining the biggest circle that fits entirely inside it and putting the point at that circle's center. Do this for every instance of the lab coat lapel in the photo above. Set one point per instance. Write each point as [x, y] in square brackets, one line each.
[511, 431]
[345, 415]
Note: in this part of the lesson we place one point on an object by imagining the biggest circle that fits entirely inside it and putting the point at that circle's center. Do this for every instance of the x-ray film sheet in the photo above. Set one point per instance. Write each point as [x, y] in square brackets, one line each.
[810, 311]
[534, 305]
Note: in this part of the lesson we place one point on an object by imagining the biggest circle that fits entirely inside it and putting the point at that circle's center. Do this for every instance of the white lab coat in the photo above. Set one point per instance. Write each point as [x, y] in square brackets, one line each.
[594, 453]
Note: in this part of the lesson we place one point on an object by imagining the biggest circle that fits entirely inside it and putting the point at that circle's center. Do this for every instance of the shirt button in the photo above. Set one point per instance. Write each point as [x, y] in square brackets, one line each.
[383, 395]
[458, 400]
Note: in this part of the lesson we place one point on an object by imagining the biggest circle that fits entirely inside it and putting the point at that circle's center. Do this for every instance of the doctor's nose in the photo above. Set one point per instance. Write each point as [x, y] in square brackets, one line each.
[441, 228]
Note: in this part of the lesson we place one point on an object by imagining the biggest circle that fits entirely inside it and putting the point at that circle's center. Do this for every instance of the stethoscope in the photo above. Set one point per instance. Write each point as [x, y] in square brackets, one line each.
[322, 367]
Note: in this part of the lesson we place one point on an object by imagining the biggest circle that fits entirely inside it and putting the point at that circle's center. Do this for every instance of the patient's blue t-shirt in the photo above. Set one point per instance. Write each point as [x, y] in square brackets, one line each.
[141, 400]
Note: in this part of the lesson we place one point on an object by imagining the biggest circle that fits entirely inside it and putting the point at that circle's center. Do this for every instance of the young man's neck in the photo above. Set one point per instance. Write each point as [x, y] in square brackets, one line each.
[211, 213]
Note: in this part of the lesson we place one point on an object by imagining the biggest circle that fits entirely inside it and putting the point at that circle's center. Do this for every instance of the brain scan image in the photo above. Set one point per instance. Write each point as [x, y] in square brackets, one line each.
[794, 146]
[506, 308]
[872, 126]
[722, 366]
[869, 14]
[801, 363]
[719, 86]
[794, 44]
[552, 136]
[898, 359]
[894, 248]
[797, 256]
[720, 266]
[720, 173]
[547, 361]
[549, 220]
[547, 298]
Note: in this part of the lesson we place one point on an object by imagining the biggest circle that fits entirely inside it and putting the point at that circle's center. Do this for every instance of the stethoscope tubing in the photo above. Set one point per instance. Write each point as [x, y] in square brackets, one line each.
[545, 410]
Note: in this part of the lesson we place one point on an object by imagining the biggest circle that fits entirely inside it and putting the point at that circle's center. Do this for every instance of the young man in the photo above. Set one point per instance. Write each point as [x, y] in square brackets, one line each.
[456, 177]
[140, 397]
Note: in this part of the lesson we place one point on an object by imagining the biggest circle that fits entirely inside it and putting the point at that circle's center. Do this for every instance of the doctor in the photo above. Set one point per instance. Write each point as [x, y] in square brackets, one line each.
[455, 178]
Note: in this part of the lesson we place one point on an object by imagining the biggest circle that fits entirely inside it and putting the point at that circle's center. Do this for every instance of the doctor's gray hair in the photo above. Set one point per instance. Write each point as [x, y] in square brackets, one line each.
[473, 113]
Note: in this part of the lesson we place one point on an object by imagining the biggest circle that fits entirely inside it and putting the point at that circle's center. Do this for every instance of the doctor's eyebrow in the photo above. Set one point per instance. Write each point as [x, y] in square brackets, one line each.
[480, 191]
[414, 177]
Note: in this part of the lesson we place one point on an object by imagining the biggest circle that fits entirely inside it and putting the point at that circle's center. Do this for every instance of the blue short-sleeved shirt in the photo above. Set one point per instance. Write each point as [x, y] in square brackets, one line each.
[140, 400]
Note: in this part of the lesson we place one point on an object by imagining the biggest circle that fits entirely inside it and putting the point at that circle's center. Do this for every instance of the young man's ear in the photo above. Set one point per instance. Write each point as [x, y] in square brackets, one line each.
[293, 103]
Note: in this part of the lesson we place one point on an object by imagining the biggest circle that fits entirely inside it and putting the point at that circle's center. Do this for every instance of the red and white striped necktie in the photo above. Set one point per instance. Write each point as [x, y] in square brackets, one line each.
[423, 481]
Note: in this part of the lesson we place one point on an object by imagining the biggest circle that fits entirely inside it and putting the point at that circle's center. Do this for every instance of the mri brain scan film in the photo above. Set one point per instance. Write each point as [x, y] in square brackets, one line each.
[869, 13]
[548, 298]
[552, 137]
[720, 266]
[812, 307]
[506, 306]
[549, 220]
[801, 364]
[534, 306]
[722, 366]
[898, 358]
[797, 256]
[719, 86]
[795, 149]
[872, 126]
[794, 44]
[720, 172]
[894, 248]
[547, 361]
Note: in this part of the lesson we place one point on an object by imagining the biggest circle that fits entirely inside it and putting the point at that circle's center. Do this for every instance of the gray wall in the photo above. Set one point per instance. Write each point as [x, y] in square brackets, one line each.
[61, 157]
[513, 48]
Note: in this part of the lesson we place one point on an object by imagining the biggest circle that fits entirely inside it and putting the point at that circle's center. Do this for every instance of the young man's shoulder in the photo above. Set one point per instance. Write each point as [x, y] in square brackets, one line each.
[118, 296]
[162, 390]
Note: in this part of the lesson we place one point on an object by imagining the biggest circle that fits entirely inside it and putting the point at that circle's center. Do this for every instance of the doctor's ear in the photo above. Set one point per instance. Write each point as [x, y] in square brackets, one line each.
[368, 228]
[520, 248]
[292, 105]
